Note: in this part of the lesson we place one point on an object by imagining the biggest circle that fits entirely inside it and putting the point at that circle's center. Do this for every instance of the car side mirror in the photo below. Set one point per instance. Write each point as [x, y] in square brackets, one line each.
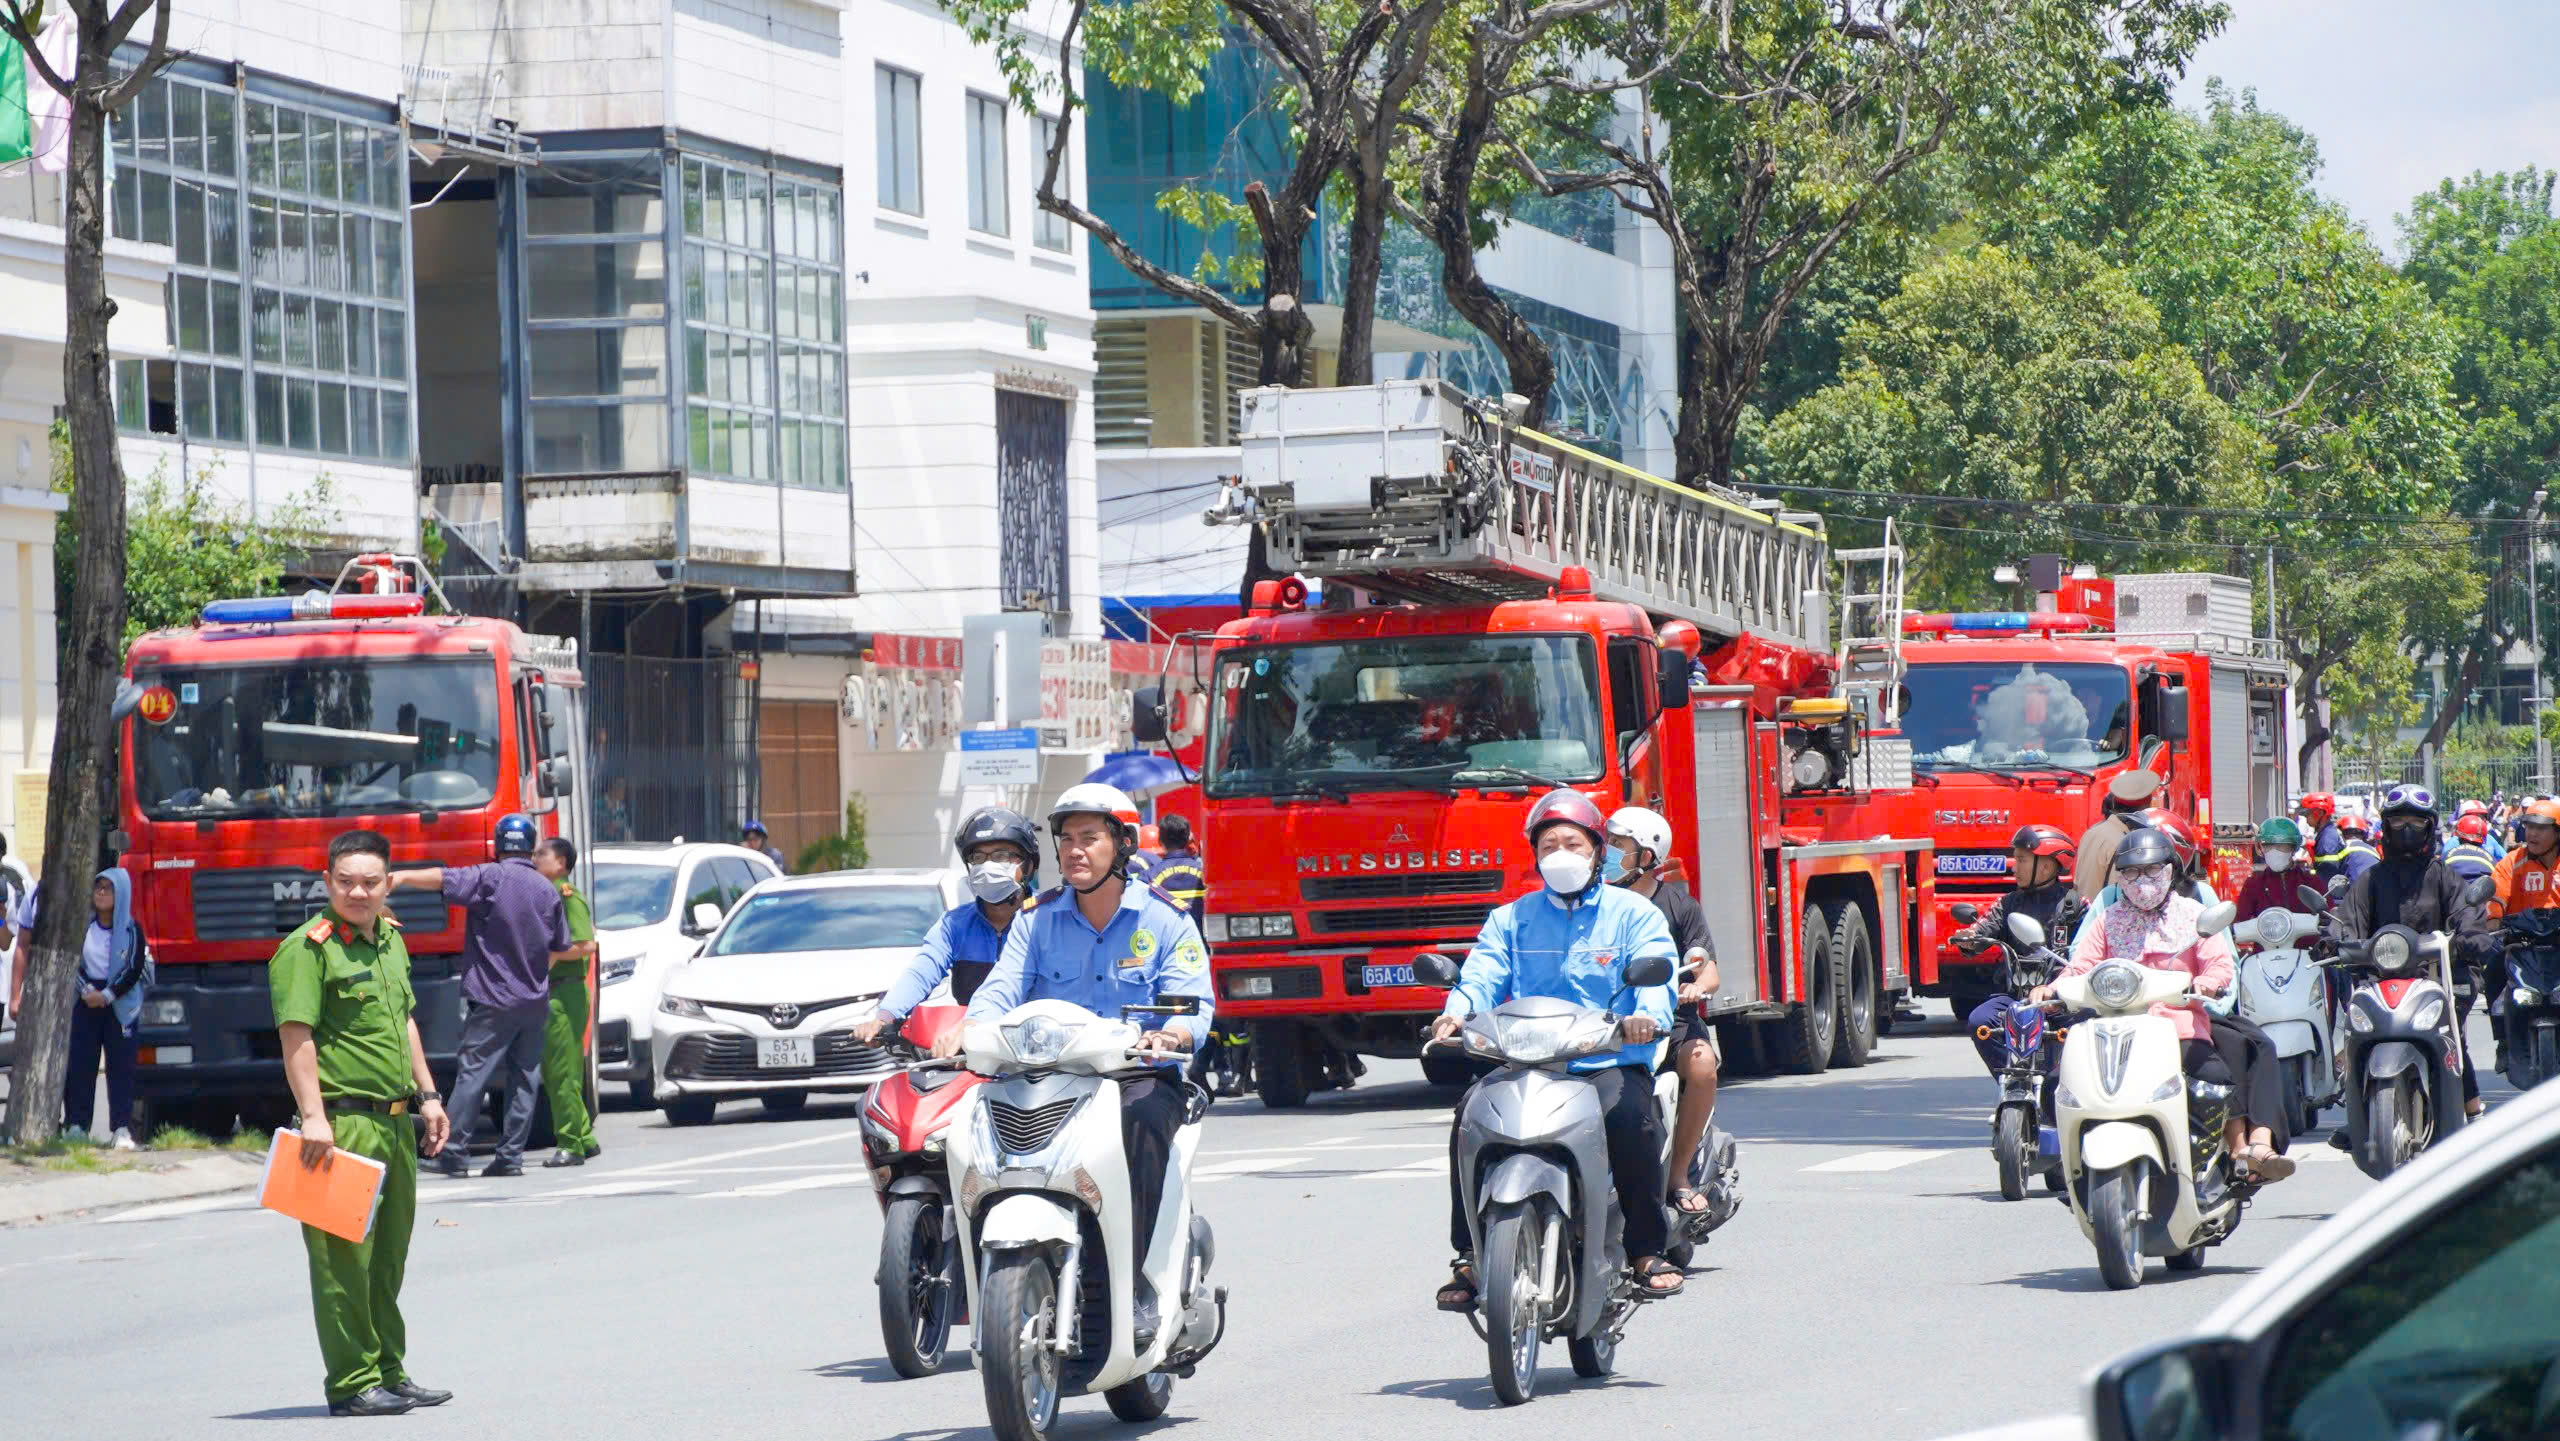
[1146, 715]
[1649, 971]
[706, 917]
[1434, 969]
[1966, 913]
[2217, 918]
[2177, 1390]
[2026, 929]
[1672, 681]
[2479, 891]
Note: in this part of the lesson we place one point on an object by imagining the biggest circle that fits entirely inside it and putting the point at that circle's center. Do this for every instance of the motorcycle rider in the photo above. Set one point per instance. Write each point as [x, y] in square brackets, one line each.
[2356, 853]
[1639, 847]
[2042, 859]
[1573, 939]
[1103, 941]
[1002, 851]
[2471, 852]
[2154, 926]
[2528, 880]
[2410, 886]
[2271, 886]
[2328, 843]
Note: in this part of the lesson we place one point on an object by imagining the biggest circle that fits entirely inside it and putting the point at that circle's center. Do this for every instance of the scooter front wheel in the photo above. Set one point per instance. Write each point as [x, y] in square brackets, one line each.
[2388, 1142]
[2013, 1145]
[1513, 1308]
[1019, 1309]
[2115, 1213]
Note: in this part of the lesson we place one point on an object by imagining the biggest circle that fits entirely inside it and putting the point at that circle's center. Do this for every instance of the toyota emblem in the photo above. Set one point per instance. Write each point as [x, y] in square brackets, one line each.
[784, 1016]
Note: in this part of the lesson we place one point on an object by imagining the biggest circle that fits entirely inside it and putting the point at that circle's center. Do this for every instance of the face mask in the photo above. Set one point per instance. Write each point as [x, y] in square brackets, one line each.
[995, 882]
[2146, 892]
[2406, 840]
[2278, 858]
[1613, 867]
[1567, 873]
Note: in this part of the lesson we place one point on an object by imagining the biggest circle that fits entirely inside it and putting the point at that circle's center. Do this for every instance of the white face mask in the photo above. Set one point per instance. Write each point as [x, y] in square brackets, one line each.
[2278, 858]
[995, 882]
[1567, 873]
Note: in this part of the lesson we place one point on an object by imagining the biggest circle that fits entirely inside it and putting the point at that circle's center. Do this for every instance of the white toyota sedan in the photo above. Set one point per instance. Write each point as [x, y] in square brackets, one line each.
[768, 1009]
[653, 906]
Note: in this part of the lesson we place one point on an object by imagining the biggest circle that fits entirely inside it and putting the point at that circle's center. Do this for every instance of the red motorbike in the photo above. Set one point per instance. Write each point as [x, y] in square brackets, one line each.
[921, 1295]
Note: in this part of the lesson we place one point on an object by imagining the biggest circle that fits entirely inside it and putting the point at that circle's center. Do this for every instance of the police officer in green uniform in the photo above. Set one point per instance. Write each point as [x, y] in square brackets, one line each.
[352, 1055]
[564, 1036]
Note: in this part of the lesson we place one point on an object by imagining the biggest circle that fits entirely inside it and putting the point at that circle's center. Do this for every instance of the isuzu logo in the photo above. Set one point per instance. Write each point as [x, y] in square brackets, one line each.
[1350, 863]
[311, 888]
[1970, 818]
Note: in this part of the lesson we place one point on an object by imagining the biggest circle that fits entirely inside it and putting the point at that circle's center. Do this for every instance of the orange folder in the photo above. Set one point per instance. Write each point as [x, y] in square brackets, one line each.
[339, 1198]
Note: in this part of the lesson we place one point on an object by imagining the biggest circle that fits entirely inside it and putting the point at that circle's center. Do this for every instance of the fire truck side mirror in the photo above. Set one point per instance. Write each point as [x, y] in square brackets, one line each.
[1671, 682]
[557, 778]
[1146, 715]
[2173, 714]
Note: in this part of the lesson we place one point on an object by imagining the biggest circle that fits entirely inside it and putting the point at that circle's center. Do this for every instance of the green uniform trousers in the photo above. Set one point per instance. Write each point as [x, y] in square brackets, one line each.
[564, 1060]
[355, 1285]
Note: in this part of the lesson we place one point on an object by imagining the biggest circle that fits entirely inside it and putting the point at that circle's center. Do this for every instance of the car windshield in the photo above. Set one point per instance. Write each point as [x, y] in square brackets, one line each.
[630, 894]
[2003, 715]
[830, 918]
[317, 738]
[1389, 714]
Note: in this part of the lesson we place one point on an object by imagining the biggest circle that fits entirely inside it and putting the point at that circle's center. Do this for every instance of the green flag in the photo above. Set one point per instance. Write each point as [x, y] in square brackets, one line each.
[14, 131]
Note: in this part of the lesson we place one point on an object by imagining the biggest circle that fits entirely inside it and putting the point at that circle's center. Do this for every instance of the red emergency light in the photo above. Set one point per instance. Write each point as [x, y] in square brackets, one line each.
[313, 605]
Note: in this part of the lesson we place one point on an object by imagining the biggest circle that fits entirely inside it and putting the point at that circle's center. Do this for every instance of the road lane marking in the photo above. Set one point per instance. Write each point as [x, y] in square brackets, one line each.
[1214, 1170]
[1883, 1160]
[690, 1161]
[192, 1206]
[801, 1183]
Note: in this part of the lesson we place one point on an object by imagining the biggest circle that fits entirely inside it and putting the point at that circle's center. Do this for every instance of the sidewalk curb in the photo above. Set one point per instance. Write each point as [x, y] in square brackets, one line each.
[61, 1195]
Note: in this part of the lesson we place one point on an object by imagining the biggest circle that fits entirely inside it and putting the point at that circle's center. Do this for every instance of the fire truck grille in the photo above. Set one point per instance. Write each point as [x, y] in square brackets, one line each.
[264, 903]
[1469, 918]
[1396, 887]
[733, 1058]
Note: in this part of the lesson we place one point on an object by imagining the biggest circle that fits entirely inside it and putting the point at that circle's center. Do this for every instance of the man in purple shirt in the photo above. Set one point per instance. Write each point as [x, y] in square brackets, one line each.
[517, 929]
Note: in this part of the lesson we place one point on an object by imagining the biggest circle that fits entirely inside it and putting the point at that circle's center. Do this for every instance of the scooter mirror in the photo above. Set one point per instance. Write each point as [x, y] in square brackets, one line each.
[1643, 971]
[1966, 913]
[1434, 969]
[2311, 898]
[2479, 891]
[2216, 919]
[2337, 887]
[2027, 930]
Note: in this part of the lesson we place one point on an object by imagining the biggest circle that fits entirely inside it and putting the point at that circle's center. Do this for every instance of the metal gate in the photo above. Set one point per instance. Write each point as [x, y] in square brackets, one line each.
[661, 749]
[1031, 502]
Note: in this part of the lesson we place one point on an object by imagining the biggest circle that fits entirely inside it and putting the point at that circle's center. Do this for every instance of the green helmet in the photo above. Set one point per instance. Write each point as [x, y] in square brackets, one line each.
[2279, 832]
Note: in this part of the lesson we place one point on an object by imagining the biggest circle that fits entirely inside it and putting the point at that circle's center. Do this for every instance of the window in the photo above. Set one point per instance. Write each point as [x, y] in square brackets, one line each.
[596, 314]
[988, 208]
[764, 326]
[296, 339]
[901, 143]
[1049, 231]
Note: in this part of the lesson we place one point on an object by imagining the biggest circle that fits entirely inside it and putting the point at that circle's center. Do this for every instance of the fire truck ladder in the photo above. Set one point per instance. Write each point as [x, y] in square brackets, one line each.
[1409, 490]
[1871, 624]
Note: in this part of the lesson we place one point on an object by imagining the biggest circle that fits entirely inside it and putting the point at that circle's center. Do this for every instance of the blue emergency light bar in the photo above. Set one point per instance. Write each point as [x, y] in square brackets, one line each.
[1989, 620]
[312, 605]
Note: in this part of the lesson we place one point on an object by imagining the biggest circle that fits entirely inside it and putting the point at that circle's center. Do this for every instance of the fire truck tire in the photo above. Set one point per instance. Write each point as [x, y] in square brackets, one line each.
[1812, 1025]
[1287, 1065]
[1740, 1050]
[1853, 955]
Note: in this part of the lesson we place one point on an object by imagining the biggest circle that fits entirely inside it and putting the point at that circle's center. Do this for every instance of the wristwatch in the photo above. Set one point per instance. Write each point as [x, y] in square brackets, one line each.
[422, 1097]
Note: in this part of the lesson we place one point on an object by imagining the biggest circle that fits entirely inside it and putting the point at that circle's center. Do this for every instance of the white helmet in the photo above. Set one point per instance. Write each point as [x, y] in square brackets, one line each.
[1646, 828]
[1092, 798]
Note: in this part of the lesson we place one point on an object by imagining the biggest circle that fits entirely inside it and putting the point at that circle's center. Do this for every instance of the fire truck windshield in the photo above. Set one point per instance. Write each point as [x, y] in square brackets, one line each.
[1399, 713]
[318, 738]
[2003, 715]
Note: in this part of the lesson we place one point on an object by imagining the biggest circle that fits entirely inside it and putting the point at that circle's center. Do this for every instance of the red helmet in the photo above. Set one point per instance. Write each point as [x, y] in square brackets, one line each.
[2354, 824]
[2319, 803]
[1571, 807]
[2045, 841]
[2472, 808]
[2182, 840]
[2472, 826]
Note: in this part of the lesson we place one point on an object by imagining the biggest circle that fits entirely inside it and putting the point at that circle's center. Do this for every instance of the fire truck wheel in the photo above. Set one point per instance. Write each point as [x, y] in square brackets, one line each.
[1812, 1025]
[1853, 956]
[1287, 1064]
[1739, 1048]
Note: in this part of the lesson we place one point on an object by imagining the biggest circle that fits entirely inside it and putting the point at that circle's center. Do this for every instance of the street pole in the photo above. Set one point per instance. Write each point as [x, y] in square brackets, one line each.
[2533, 621]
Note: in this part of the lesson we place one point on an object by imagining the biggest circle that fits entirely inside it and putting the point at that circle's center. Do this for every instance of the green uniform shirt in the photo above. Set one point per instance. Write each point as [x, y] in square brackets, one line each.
[582, 917]
[354, 994]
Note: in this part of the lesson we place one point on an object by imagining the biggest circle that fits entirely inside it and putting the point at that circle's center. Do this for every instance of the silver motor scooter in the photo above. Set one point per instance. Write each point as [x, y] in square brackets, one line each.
[1533, 1179]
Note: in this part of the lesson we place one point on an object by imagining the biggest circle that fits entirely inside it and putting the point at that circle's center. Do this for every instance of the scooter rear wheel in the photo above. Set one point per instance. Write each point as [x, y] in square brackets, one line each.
[916, 1285]
[1143, 1399]
[1593, 1356]
[1513, 1239]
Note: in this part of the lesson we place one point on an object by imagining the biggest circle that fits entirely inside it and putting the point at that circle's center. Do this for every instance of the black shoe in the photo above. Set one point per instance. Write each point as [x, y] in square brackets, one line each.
[2338, 1140]
[594, 1149]
[564, 1158]
[373, 1401]
[451, 1162]
[419, 1395]
[502, 1168]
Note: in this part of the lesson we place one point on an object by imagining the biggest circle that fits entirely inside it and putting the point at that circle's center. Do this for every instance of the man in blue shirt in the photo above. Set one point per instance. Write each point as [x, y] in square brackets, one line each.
[1002, 852]
[1573, 939]
[1102, 942]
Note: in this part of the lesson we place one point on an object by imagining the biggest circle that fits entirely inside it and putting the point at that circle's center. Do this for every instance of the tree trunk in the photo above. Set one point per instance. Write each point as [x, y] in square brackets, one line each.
[1364, 262]
[83, 741]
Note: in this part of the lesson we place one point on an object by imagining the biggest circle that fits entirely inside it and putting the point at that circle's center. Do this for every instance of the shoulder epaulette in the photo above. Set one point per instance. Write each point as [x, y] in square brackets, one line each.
[319, 930]
[389, 919]
[1050, 894]
[1162, 894]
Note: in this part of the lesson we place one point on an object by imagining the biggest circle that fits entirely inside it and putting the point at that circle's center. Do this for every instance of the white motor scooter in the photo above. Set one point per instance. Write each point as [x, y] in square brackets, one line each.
[2143, 1156]
[2285, 992]
[1043, 1187]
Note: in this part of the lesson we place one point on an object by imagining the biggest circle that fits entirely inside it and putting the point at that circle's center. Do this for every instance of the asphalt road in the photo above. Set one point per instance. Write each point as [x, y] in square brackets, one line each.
[716, 1282]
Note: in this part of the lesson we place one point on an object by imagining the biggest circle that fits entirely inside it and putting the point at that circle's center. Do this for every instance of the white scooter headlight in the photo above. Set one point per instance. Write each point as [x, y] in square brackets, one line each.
[2062, 1096]
[2115, 983]
[1038, 1041]
[2275, 929]
[2359, 1018]
[2169, 1088]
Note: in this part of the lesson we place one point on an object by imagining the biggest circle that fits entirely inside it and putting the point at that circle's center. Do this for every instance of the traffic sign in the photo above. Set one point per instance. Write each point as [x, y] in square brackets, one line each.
[1000, 757]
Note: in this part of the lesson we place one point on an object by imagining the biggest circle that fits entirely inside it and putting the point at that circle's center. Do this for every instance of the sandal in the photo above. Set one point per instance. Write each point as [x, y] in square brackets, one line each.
[1681, 1197]
[2266, 1165]
[1653, 1269]
[1460, 1293]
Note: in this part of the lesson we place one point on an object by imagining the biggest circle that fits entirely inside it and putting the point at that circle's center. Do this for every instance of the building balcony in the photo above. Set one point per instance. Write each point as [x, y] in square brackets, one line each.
[649, 530]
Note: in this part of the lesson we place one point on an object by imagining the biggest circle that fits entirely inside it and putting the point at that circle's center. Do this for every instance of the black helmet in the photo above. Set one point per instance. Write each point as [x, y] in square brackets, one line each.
[515, 835]
[995, 823]
[2145, 847]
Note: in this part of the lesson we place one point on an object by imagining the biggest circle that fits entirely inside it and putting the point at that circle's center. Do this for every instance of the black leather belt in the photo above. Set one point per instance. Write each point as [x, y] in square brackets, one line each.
[360, 1103]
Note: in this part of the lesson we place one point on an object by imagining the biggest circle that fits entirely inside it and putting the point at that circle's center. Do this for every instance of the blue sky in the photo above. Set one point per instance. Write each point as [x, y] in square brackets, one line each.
[2400, 93]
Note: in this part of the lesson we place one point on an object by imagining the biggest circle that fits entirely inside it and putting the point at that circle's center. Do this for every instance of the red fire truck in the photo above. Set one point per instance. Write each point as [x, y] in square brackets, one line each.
[2018, 717]
[253, 738]
[1504, 613]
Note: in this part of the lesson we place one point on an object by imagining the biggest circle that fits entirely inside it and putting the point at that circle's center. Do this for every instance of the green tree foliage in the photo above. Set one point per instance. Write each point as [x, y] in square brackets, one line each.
[847, 850]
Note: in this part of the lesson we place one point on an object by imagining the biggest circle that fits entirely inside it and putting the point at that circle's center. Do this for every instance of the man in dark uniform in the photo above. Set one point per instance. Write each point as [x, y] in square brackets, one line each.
[340, 987]
[517, 926]
[1179, 873]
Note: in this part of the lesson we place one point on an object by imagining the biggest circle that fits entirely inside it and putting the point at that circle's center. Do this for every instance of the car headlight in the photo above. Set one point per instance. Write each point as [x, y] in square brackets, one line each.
[618, 969]
[1277, 927]
[2115, 983]
[1038, 1041]
[167, 1011]
[682, 1006]
[2429, 1012]
[1214, 927]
